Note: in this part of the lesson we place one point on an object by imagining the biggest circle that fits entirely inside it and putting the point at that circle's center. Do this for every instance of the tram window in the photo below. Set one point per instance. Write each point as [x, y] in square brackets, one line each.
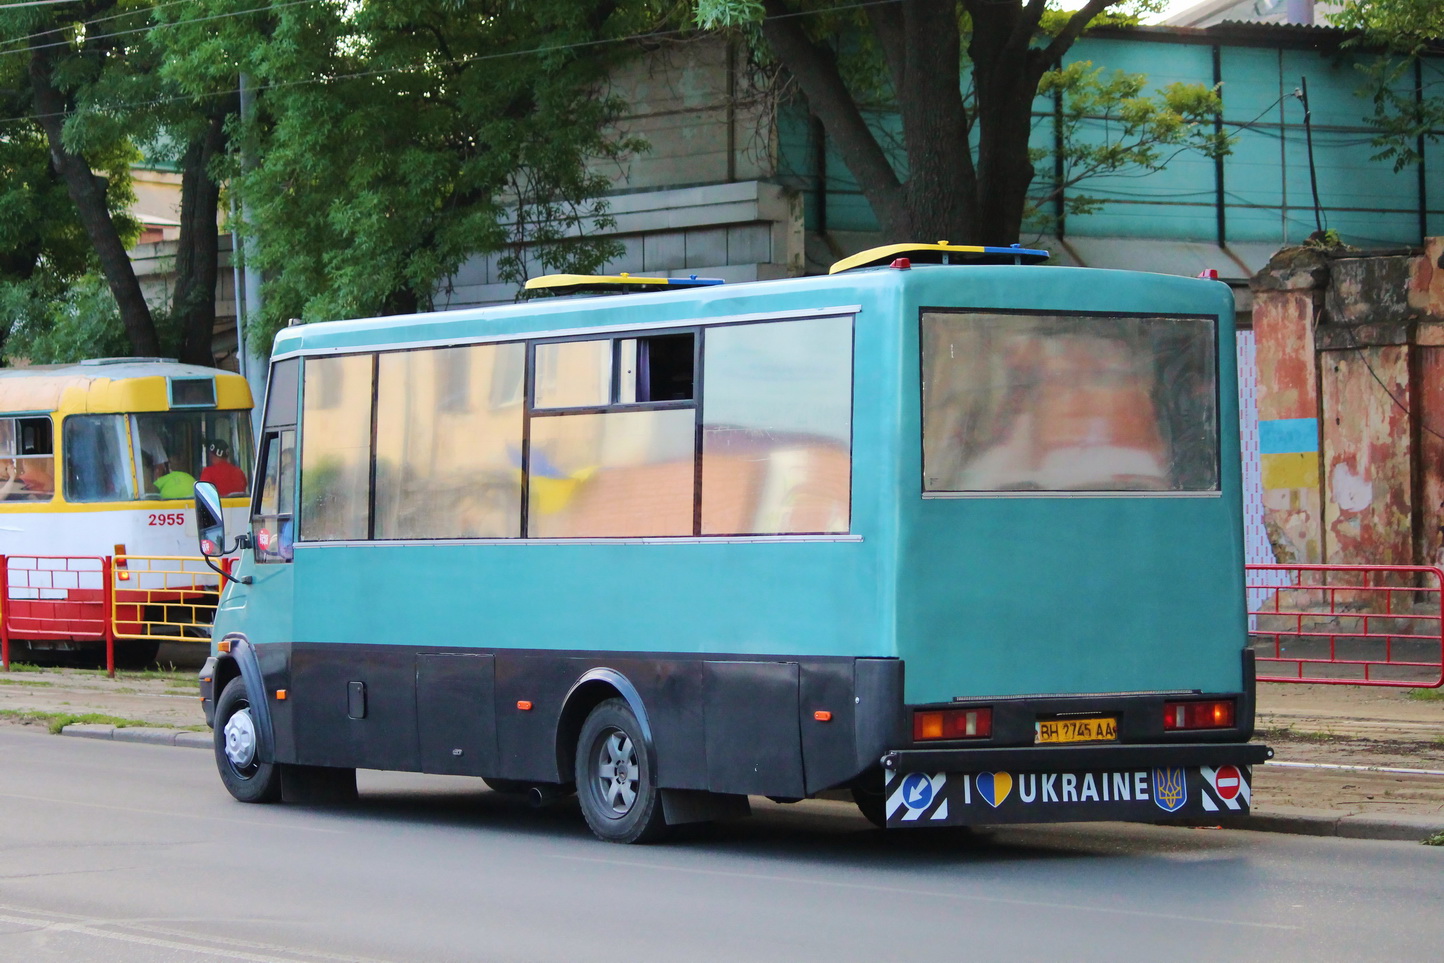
[1015, 402]
[336, 448]
[174, 449]
[97, 459]
[27, 459]
[659, 368]
[449, 471]
[776, 437]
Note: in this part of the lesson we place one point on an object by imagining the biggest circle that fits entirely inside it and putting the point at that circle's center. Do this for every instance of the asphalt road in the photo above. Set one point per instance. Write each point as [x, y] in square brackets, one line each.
[126, 853]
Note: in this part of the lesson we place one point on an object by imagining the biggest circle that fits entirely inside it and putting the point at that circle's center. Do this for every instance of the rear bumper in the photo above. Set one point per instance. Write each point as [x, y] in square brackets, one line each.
[1138, 783]
[1076, 758]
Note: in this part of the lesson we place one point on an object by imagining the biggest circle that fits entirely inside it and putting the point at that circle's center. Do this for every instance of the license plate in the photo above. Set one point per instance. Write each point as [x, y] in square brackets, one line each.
[1096, 729]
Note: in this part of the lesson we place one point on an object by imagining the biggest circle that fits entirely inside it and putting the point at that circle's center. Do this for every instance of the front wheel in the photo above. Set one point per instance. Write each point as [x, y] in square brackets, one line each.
[615, 783]
[237, 749]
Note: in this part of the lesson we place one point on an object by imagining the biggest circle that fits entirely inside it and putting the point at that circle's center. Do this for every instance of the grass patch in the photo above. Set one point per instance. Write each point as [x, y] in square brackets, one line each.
[25, 667]
[1300, 735]
[55, 721]
[1436, 840]
[37, 683]
[1427, 695]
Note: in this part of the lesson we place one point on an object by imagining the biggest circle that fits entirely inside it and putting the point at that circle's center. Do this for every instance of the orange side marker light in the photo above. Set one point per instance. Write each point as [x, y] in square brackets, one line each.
[280, 695]
[822, 715]
[523, 705]
[224, 645]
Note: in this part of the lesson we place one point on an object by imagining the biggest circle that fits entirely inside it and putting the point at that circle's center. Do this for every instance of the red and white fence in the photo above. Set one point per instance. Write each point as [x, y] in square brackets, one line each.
[98, 600]
[1380, 625]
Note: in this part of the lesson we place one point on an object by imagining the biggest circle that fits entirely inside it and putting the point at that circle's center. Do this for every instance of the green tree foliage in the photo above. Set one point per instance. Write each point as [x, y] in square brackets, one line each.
[1405, 91]
[1108, 124]
[956, 80]
[394, 139]
[53, 60]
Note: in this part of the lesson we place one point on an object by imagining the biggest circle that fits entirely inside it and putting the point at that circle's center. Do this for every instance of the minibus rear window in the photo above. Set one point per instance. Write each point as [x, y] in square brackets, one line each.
[1060, 403]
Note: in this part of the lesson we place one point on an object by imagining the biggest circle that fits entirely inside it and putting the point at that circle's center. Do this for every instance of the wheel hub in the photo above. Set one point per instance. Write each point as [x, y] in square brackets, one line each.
[240, 733]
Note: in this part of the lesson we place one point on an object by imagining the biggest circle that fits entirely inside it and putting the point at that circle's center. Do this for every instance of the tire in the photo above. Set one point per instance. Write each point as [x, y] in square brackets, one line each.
[245, 777]
[615, 783]
[509, 787]
[872, 803]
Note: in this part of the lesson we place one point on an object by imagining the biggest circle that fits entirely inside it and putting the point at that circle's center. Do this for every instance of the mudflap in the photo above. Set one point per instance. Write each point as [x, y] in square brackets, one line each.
[1158, 794]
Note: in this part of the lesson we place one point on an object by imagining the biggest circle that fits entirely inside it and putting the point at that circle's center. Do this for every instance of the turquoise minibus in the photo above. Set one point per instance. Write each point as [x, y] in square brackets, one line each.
[948, 530]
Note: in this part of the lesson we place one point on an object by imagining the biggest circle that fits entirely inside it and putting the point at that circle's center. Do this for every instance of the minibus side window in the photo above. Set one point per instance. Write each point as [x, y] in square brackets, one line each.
[337, 405]
[777, 428]
[612, 438]
[449, 470]
[273, 525]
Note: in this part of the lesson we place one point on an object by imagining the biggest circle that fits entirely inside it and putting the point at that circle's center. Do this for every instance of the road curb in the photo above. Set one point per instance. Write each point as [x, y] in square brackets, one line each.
[149, 735]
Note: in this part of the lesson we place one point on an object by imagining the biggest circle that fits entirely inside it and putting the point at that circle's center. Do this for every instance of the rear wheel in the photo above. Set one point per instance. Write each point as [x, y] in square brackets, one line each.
[237, 749]
[872, 803]
[615, 783]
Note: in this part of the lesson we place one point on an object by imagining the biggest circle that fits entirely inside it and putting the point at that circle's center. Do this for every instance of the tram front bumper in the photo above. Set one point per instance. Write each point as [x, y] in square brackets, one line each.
[1139, 783]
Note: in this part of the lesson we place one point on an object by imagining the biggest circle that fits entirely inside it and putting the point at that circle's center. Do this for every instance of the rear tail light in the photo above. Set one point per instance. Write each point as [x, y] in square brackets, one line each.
[952, 724]
[1214, 714]
[121, 568]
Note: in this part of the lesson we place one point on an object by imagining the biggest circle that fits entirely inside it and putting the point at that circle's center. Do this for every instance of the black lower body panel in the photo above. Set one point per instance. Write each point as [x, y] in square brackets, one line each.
[784, 726]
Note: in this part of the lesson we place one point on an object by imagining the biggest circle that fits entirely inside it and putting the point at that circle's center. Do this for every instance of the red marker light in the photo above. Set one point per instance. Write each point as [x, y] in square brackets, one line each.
[952, 724]
[1216, 714]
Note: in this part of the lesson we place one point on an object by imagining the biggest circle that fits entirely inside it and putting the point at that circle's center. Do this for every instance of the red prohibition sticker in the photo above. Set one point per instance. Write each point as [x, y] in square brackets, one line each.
[263, 539]
[1227, 782]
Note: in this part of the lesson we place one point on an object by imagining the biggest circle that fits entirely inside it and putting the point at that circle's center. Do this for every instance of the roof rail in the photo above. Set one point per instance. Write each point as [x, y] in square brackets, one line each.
[940, 253]
[99, 361]
[612, 283]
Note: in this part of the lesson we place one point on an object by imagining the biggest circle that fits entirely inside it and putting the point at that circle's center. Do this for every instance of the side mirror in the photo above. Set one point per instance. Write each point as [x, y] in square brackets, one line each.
[211, 530]
[210, 523]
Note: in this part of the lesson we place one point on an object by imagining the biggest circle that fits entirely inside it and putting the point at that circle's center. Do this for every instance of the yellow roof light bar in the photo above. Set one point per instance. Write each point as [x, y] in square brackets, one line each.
[940, 253]
[612, 283]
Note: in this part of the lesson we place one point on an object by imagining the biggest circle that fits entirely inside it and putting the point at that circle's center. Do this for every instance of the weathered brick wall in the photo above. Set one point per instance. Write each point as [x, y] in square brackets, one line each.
[1351, 405]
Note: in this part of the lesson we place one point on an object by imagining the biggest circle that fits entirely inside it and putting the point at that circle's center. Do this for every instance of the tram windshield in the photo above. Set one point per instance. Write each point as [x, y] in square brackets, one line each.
[112, 458]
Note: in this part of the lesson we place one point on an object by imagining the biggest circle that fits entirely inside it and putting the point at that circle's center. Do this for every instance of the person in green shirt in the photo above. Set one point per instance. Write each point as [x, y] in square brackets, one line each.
[176, 484]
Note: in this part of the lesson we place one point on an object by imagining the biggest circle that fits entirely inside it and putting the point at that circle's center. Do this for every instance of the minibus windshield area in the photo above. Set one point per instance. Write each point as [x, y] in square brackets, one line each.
[120, 457]
[1016, 402]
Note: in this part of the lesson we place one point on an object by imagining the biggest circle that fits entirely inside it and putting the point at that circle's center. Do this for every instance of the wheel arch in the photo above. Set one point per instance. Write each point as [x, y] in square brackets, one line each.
[593, 688]
[242, 663]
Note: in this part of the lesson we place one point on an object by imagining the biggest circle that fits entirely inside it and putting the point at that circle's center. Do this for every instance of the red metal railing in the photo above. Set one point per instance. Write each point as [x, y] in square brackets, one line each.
[1348, 624]
[56, 598]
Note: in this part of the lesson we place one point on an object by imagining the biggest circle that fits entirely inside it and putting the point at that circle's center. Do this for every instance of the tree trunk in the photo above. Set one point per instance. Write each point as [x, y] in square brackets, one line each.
[815, 69]
[1006, 73]
[88, 194]
[941, 186]
[194, 303]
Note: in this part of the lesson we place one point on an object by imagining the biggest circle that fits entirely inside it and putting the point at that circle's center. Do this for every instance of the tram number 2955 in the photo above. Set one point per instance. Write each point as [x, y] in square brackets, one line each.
[166, 518]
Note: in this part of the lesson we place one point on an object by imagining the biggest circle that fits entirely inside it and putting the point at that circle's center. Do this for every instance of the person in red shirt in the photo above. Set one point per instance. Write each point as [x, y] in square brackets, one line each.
[221, 472]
